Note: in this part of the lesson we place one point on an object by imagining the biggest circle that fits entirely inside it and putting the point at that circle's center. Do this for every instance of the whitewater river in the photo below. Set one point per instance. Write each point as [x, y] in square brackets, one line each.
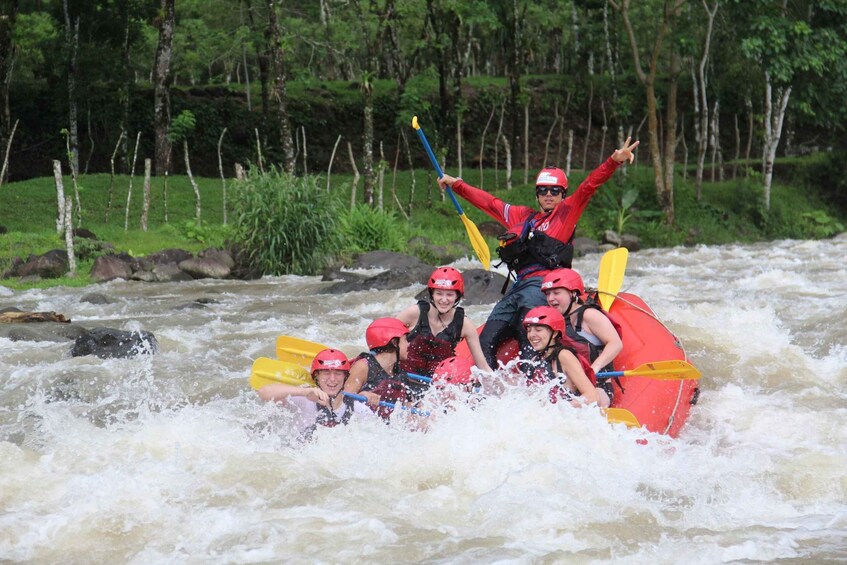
[171, 458]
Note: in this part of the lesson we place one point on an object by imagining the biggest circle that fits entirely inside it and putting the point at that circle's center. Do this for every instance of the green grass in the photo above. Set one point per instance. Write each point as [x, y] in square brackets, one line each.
[729, 212]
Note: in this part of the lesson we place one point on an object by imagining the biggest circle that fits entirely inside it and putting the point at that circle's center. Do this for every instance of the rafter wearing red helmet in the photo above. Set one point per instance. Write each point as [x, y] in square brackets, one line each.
[535, 242]
[323, 404]
[597, 336]
[439, 324]
[376, 374]
[545, 328]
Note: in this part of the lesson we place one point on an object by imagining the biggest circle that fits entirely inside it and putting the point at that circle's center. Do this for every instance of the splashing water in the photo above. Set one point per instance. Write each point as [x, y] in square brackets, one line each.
[172, 458]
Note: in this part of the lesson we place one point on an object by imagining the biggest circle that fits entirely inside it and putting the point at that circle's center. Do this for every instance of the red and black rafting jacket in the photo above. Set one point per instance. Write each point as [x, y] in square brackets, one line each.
[426, 350]
[544, 372]
[533, 250]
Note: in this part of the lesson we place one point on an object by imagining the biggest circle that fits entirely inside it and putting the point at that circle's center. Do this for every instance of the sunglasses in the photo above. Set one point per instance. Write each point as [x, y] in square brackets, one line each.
[545, 190]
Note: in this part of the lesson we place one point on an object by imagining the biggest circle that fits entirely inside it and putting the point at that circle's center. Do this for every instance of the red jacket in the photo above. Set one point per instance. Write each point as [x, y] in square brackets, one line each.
[559, 223]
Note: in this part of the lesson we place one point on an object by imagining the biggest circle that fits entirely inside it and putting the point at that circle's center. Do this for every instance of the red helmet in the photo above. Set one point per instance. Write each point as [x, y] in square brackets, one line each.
[446, 278]
[330, 359]
[563, 278]
[383, 330]
[453, 371]
[545, 316]
[552, 177]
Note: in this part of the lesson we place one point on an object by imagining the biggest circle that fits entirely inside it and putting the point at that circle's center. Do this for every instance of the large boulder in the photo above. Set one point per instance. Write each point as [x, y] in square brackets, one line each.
[170, 272]
[218, 255]
[107, 343]
[205, 268]
[584, 246]
[110, 267]
[175, 256]
[96, 298]
[44, 331]
[51, 265]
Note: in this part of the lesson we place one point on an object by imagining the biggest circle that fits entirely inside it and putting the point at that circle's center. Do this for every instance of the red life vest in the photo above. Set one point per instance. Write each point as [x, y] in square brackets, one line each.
[427, 350]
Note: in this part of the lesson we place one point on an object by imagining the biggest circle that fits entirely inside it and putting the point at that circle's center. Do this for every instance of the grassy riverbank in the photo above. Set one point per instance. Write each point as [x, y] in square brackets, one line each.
[729, 211]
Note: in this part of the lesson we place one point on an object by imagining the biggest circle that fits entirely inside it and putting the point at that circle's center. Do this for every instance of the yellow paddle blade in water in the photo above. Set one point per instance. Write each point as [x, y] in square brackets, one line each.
[268, 371]
[612, 268]
[622, 416]
[296, 350]
[480, 246]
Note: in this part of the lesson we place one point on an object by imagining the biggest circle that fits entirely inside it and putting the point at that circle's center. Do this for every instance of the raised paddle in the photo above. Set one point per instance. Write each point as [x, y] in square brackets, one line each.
[296, 350]
[480, 247]
[610, 280]
[675, 370]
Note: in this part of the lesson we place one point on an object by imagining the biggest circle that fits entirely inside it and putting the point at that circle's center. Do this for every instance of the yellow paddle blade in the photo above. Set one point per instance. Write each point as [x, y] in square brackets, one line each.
[622, 416]
[480, 246]
[296, 350]
[666, 370]
[268, 371]
[612, 267]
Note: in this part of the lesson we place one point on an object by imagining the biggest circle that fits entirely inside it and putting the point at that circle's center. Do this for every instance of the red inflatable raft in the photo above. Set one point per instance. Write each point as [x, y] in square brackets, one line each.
[658, 404]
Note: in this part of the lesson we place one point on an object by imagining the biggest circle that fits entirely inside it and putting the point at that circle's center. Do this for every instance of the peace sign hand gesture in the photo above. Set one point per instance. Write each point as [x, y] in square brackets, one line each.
[626, 153]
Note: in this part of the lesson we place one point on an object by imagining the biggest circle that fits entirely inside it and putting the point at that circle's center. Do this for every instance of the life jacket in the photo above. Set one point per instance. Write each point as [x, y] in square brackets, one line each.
[328, 418]
[544, 372]
[390, 388]
[426, 350]
[583, 343]
[534, 250]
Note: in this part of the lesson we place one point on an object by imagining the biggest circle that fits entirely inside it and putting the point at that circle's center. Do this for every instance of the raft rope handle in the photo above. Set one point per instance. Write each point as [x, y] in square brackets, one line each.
[679, 341]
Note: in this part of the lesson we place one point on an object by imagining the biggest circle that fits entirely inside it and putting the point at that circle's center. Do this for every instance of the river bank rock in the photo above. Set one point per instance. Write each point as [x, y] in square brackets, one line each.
[401, 271]
[110, 267]
[50, 265]
[108, 343]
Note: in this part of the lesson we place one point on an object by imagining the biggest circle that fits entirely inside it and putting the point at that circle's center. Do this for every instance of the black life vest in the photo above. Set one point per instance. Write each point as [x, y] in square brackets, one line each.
[534, 248]
[328, 418]
[544, 372]
[426, 350]
[391, 388]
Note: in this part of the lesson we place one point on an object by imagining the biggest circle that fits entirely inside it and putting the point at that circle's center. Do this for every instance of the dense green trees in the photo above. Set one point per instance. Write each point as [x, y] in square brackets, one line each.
[733, 77]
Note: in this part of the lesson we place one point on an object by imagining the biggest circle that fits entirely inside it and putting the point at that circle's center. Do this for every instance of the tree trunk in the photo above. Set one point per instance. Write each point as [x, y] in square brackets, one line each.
[221, 170]
[670, 129]
[737, 148]
[497, 145]
[69, 237]
[8, 54]
[305, 153]
[145, 205]
[368, 144]
[74, 182]
[413, 184]
[72, 45]
[570, 153]
[60, 196]
[526, 142]
[274, 38]
[605, 130]
[259, 158]
[588, 128]
[131, 174]
[112, 177]
[355, 183]
[125, 88]
[381, 178]
[8, 150]
[701, 79]
[262, 59]
[459, 142]
[664, 193]
[774, 118]
[162, 80]
[550, 133]
[482, 145]
[507, 150]
[193, 182]
[748, 104]
[331, 159]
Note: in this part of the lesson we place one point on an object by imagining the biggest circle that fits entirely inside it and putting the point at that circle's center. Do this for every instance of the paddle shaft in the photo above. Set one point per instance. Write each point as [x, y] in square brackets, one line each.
[437, 167]
[360, 398]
